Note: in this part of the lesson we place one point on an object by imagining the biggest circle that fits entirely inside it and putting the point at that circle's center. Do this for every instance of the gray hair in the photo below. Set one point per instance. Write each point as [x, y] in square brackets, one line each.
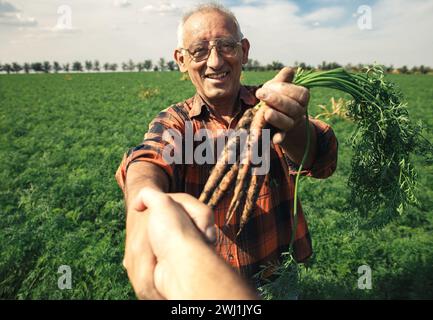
[208, 7]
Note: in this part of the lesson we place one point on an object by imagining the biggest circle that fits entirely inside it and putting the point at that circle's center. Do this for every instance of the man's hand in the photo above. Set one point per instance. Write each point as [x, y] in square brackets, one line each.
[139, 259]
[286, 104]
[187, 267]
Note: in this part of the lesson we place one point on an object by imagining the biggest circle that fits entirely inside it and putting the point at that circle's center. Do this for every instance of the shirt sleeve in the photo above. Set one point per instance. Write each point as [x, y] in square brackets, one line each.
[325, 161]
[160, 144]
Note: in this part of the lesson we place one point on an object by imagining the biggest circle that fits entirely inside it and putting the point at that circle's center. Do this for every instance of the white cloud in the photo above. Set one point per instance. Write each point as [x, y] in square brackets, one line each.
[325, 14]
[398, 34]
[276, 29]
[121, 3]
[162, 8]
[17, 20]
[7, 7]
[63, 29]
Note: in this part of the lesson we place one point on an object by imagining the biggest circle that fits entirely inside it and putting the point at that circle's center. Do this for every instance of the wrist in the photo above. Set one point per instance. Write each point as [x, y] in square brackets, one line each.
[294, 134]
[177, 274]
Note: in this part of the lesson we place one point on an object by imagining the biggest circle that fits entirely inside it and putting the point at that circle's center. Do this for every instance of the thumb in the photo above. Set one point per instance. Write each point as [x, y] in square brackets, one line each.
[285, 75]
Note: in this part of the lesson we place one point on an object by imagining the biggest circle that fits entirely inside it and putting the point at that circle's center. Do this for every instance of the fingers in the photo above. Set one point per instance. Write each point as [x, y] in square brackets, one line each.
[200, 213]
[139, 260]
[300, 94]
[279, 137]
[285, 75]
[282, 103]
[279, 120]
[172, 205]
[142, 278]
[148, 197]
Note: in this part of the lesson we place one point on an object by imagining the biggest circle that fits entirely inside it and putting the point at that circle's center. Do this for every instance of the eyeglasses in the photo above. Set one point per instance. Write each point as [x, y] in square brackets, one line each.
[201, 50]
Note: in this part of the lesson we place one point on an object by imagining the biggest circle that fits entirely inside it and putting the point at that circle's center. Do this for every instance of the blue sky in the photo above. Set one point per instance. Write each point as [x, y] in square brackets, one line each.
[310, 31]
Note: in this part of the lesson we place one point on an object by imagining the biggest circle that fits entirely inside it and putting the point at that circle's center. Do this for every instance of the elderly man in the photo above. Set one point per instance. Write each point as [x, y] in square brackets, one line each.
[212, 50]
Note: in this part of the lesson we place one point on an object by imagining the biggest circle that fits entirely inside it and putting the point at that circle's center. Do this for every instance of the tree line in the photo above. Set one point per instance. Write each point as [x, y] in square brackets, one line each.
[89, 66]
[162, 65]
[254, 65]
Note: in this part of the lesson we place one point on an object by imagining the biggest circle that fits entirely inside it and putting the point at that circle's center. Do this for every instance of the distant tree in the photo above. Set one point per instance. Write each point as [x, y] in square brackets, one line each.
[124, 66]
[275, 65]
[77, 66]
[305, 66]
[106, 66]
[323, 66]
[56, 67]
[27, 67]
[248, 66]
[131, 65]
[148, 65]
[171, 65]
[37, 67]
[161, 64]
[140, 66]
[113, 66]
[423, 69]
[403, 70]
[334, 65]
[414, 69]
[88, 65]
[7, 68]
[96, 66]
[252, 65]
[388, 69]
[16, 67]
[155, 68]
[46, 67]
[1, 67]
[256, 65]
[66, 67]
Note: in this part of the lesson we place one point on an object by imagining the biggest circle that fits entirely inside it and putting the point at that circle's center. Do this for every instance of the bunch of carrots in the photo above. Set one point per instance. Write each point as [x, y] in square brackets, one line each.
[382, 123]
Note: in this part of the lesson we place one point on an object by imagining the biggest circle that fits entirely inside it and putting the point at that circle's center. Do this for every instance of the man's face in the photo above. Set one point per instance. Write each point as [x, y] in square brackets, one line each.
[217, 78]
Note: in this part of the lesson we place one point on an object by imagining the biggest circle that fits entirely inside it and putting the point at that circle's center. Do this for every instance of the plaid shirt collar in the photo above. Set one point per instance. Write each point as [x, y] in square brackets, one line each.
[198, 104]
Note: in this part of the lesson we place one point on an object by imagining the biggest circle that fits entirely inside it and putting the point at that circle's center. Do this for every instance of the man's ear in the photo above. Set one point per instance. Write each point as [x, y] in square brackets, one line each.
[180, 60]
[245, 50]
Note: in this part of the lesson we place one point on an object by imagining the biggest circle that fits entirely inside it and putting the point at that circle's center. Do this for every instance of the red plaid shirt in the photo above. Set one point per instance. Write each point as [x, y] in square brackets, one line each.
[267, 233]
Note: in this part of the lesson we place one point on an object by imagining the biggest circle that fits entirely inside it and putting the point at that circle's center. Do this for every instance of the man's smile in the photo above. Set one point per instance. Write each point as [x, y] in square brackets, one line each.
[216, 76]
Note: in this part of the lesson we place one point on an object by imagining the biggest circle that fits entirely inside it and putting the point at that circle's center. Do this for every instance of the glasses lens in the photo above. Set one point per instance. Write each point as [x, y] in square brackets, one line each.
[200, 51]
[227, 47]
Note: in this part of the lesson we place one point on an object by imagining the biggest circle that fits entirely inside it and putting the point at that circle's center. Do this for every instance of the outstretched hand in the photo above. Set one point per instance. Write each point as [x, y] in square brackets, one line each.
[140, 259]
[286, 103]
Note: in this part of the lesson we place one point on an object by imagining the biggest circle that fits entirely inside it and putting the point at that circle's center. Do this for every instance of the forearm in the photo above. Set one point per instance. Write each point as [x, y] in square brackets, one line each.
[144, 174]
[295, 142]
[194, 271]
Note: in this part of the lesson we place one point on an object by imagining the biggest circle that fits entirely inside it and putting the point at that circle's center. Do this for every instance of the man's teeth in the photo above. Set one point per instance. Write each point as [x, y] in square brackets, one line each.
[217, 75]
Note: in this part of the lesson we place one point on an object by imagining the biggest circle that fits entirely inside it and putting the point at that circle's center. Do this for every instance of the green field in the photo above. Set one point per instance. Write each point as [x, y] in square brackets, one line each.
[62, 138]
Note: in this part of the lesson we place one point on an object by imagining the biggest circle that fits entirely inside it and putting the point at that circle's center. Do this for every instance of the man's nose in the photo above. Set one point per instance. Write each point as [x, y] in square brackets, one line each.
[215, 60]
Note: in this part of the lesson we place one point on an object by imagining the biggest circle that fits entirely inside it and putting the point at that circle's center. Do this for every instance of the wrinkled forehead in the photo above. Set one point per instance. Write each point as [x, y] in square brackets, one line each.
[207, 26]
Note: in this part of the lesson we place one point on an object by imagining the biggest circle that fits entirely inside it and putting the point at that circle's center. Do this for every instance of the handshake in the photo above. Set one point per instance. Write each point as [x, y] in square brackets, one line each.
[168, 253]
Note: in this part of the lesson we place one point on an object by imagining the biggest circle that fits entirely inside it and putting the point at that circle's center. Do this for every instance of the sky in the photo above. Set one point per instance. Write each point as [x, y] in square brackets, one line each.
[390, 32]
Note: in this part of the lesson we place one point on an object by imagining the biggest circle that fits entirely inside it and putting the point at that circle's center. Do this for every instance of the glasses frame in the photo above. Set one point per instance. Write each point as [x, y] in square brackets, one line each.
[211, 46]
